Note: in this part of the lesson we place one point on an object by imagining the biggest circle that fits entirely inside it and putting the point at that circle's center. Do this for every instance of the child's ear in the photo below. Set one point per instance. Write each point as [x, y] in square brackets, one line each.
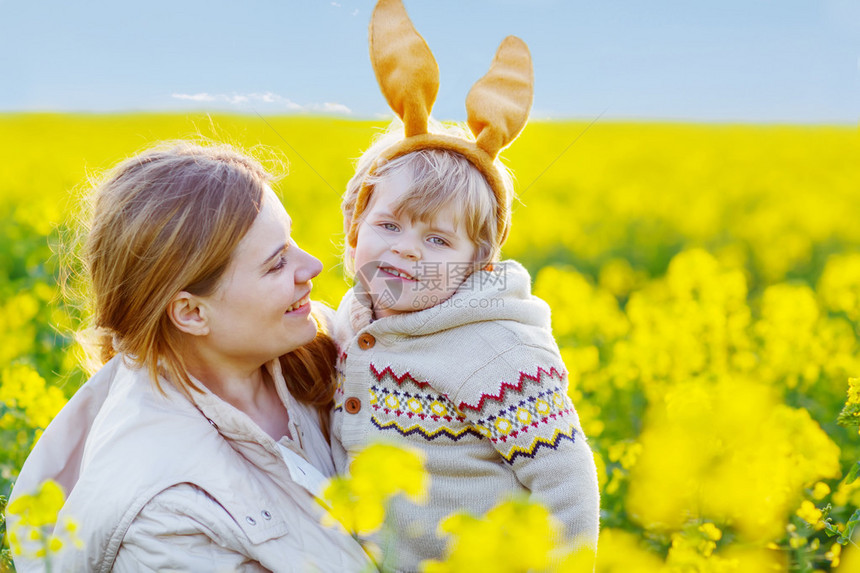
[188, 314]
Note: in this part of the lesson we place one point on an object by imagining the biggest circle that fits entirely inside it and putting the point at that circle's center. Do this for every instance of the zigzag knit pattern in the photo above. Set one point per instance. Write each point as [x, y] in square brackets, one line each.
[405, 377]
[540, 442]
[426, 414]
[541, 417]
[516, 387]
[546, 407]
[418, 430]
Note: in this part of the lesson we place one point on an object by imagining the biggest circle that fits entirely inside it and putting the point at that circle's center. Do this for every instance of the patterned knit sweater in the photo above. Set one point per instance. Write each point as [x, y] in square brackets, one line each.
[478, 384]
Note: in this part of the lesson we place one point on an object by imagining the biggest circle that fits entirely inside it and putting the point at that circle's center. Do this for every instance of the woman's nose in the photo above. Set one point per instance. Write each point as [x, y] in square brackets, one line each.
[309, 267]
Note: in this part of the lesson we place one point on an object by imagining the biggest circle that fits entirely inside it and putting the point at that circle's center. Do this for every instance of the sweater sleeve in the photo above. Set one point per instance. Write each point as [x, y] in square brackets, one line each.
[526, 414]
[182, 529]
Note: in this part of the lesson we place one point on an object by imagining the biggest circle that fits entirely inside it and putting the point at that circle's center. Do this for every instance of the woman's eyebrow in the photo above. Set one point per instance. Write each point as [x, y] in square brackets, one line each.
[277, 252]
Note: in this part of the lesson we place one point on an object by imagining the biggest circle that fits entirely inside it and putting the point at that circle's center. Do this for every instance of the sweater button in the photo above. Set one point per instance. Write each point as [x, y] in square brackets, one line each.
[352, 405]
[366, 341]
[251, 520]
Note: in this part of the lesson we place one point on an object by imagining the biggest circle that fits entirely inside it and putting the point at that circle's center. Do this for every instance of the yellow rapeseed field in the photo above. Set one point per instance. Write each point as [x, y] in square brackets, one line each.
[705, 286]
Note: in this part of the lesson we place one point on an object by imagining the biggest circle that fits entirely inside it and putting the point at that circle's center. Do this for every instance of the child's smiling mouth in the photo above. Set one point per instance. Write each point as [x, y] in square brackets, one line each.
[397, 273]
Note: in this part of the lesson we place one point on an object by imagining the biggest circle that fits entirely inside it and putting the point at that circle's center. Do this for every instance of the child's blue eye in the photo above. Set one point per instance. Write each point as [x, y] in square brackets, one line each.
[388, 226]
[438, 241]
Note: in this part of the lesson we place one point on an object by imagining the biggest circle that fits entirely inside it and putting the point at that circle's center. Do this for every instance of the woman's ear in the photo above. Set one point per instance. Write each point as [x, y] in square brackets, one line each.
[188, 314]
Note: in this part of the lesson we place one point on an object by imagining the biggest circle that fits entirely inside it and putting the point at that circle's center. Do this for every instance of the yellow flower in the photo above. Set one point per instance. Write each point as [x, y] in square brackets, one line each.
[618, 277]
[54, 544]
[14, 542]
[516, 535]
[839, 285]
[360, 515]
[41, 508]
[625, 452]
[854, 390]
[808, 512]
[834, 554]
[22, 387]
[711, 531]
[384, 470]
[820, 490]
[357, 501]
[726, 459]
[37, 515]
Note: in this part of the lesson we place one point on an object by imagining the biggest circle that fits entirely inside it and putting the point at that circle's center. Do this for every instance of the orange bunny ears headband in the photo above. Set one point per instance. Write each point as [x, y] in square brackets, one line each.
[497, 105]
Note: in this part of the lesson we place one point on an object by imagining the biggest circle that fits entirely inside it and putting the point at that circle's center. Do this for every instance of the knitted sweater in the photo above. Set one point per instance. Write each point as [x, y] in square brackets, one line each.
[478, 384]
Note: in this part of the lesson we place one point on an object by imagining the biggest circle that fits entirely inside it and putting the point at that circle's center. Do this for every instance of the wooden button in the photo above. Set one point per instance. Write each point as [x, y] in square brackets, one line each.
[366, 341]
[352, 405]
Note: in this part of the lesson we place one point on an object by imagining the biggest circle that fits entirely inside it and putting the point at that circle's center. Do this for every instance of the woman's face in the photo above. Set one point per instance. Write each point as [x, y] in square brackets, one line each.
[261, 307]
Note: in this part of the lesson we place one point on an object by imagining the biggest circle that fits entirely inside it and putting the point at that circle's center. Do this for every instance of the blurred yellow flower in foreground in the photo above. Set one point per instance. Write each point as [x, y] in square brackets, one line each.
[357, 500]
[517, 535]
[36, 532]
[39, 509]
[728, 451]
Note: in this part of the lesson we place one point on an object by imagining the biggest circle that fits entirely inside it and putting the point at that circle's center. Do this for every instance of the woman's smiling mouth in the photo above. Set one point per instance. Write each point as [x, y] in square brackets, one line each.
[299, 303]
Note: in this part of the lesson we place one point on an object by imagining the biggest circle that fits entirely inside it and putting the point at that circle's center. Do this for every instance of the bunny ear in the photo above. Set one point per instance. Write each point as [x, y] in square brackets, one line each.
[405, 68]
[498, 104]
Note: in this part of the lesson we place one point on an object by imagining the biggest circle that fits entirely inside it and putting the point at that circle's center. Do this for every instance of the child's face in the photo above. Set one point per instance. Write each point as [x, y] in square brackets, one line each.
[407, 265]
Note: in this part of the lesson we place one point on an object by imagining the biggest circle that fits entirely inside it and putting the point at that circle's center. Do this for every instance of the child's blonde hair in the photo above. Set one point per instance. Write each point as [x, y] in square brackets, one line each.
[439, 178]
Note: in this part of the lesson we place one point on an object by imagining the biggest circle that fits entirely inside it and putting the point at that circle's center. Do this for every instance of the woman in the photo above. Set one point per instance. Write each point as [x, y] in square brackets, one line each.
[201, 442]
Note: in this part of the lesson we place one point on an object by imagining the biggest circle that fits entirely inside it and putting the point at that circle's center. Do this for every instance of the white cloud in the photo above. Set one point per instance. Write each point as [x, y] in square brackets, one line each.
[335, 4]
[268, 99]
[355, 12]
[329, 107]
[195, 97]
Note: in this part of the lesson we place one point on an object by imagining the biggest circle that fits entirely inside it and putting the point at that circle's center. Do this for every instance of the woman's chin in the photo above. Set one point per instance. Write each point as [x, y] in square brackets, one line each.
[300, 336]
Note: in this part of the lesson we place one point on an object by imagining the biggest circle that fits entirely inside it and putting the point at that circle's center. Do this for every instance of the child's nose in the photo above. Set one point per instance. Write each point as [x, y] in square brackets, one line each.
[407, 249]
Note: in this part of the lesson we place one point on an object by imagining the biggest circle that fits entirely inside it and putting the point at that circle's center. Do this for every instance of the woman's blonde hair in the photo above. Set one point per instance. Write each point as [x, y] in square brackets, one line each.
[168, 220]
[439, 178]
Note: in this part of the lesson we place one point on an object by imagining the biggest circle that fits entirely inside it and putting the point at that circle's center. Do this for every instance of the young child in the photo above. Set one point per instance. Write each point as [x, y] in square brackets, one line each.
[442, 347]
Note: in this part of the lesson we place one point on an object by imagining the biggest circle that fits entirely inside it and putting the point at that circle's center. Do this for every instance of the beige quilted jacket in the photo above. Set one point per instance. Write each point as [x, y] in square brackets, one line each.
[161, 483]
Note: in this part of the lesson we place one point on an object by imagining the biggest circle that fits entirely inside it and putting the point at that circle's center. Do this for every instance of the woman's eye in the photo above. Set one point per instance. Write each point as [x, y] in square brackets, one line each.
[282, 262]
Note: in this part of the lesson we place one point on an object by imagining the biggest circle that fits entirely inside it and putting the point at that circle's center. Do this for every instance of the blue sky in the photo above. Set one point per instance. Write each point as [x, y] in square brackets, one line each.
[794, 61]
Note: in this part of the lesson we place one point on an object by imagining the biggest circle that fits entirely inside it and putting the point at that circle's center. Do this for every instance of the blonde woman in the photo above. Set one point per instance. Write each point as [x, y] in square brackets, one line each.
[201, 443]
